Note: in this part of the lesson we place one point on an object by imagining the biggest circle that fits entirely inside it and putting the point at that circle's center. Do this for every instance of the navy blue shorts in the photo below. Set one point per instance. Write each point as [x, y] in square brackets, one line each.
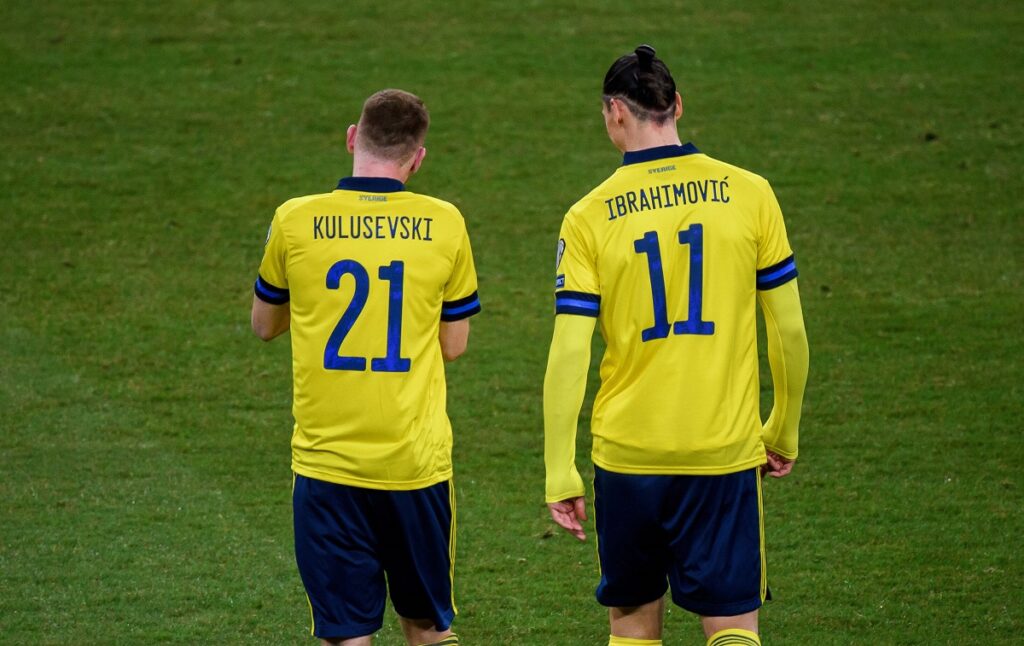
[354, 546]
[703, 534]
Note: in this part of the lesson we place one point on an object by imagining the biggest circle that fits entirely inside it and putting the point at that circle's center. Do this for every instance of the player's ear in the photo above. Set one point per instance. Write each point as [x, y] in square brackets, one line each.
[679, 106]
[616, 108]
[350, 138]
[417, 160]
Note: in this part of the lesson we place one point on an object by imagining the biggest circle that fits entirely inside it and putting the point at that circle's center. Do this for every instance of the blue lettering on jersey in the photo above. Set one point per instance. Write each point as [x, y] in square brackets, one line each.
[665, 196]
[372, 227]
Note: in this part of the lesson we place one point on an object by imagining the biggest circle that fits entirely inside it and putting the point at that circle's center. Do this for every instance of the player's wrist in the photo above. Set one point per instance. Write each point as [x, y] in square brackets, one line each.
[782, 453]
[568, 494]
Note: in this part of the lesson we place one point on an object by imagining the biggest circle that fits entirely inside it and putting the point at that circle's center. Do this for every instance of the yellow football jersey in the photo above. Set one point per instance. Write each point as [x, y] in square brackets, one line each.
[668, 254]
[369, 271]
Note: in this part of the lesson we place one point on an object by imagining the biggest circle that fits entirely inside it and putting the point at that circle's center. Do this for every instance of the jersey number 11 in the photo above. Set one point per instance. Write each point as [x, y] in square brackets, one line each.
[694, 323]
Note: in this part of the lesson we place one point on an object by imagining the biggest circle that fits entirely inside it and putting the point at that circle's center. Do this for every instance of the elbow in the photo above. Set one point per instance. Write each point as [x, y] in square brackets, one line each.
[264, 336]
[263, 330]
[262, 333]
[269, 321]
[452, 353]
[793, 334]
[453, 338]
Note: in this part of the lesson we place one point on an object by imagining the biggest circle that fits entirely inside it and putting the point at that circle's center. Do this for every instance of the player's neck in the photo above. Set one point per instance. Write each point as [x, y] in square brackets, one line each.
[651, 137]
[365, 166]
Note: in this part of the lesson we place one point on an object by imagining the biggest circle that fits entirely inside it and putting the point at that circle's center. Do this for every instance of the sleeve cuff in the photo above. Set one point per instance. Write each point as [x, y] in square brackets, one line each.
[789, 455]
[269, 293]
[460, 309]
[581, 303]
[778, 274]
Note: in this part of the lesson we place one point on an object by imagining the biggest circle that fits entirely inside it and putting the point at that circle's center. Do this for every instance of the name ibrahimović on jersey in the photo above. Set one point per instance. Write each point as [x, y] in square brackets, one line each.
[372, 227]
[665, 196]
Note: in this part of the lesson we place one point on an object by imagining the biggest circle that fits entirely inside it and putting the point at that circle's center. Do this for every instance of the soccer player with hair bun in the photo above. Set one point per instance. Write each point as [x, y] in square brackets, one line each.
[670, 257]
[376, 284]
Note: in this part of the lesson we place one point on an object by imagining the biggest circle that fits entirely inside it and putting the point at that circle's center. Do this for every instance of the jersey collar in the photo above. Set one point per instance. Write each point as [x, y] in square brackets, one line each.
[371, 184]
[659, 152]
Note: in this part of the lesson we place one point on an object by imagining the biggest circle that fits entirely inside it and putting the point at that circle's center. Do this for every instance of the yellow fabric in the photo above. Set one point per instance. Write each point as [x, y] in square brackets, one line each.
[450, 640]
[788, 357]
[685, 403]
[452, 534]
[371, 427]
[763, 589]
[734, 637]
[629, 641]
[565, 384]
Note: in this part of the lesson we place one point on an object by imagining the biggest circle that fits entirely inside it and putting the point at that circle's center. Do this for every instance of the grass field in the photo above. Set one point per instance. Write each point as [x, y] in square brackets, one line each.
[144, 475]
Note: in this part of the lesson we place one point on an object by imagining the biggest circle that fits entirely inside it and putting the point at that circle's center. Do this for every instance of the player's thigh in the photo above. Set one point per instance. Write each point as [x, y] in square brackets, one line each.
[631, 546]
[717, 544]
[337, 554]
[418, 551]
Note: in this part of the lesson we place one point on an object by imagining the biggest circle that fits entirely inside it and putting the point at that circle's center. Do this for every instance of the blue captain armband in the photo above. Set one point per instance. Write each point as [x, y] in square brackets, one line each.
[778, 274]
[269, 293]
[460, 309]
[581, 303]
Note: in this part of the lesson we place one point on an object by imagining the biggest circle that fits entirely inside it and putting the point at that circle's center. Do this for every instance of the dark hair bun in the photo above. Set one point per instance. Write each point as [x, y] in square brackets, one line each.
[644, 56]
[642, 78]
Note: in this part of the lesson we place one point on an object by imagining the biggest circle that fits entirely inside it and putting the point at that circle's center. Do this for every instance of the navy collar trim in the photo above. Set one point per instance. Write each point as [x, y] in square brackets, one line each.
[370, 184]
[659, 152]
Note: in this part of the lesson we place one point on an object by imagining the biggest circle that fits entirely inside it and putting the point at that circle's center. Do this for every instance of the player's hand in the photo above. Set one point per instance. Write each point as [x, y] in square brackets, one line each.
[777, 466]
[568, 513]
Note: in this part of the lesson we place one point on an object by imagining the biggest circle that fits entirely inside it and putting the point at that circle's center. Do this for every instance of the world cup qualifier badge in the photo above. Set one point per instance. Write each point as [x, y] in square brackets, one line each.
[561, 250]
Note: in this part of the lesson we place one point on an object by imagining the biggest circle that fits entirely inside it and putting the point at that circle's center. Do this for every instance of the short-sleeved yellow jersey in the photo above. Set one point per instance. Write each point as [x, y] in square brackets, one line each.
[668, 254]
[369, 270]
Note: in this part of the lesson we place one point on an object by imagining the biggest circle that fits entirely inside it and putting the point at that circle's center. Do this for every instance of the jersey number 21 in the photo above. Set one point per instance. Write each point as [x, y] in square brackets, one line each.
[392, 361]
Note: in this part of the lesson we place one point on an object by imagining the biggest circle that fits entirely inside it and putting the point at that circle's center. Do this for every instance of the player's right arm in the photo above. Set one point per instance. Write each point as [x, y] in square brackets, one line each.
[565, 384]
[271, 314]
[577, 306]
[268, 320]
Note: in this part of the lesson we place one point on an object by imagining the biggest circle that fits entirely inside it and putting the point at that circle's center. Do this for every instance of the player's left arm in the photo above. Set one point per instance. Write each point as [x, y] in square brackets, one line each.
[269, 320]
[788, 357]
[459, 300]
[454, 337]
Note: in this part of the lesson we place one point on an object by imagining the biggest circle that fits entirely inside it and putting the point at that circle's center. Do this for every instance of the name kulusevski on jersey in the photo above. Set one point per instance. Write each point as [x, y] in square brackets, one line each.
[370, 270]
[668, 253]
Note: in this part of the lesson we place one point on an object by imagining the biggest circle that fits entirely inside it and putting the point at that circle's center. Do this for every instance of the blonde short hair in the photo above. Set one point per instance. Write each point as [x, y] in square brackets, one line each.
[393, 124]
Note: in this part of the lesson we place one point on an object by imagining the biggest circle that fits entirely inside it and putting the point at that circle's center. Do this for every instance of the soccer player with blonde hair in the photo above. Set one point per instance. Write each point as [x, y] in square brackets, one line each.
[376, 284]
[669, 256]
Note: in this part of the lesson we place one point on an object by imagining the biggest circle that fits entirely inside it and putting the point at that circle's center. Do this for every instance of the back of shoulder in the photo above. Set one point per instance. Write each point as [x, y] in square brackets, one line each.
[594, 200]
[440, 207]
[738, 177]
[296, 203]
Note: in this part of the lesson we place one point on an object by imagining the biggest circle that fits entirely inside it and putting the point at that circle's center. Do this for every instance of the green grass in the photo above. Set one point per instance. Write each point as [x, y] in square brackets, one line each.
[144, 482]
